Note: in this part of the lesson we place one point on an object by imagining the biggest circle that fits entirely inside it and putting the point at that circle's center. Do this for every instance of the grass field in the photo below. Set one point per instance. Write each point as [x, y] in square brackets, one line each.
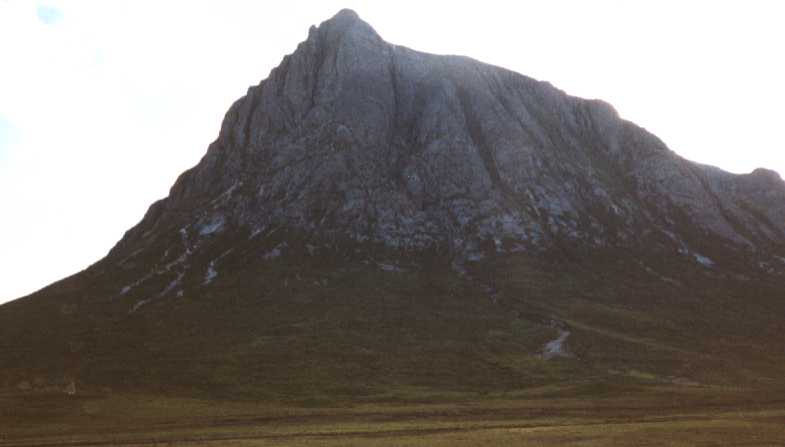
[548, 416]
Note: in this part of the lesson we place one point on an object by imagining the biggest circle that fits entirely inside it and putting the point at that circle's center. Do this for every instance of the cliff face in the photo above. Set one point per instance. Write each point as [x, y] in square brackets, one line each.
[352, 137]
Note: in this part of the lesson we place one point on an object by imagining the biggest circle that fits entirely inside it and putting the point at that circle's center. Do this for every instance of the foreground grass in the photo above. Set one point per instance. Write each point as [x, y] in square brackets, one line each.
[668, 416]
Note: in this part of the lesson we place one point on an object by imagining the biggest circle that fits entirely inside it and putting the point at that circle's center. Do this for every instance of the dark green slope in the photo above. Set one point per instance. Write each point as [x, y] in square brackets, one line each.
[304, 326]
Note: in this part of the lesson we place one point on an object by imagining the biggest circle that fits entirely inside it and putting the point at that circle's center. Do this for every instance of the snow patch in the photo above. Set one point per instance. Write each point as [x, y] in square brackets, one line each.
[703, 260]
[684, 249]
[275, 252]
[492, 292]
[130, 256]
[459, 268]
[555, 347]
[518, 248]
[224, 196]
[137, 306]
[211, 273]
[475, 256]
[186, 253]
[214, 226]
[389, 267]
[172, 285]
[168, 267]
[658, 275]
[144, 278]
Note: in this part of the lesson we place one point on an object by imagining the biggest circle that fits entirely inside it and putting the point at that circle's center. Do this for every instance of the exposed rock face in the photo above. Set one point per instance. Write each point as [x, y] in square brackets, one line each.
[352, 137]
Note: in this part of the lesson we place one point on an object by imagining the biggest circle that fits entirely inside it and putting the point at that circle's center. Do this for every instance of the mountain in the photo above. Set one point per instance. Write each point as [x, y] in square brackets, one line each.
[377, 221]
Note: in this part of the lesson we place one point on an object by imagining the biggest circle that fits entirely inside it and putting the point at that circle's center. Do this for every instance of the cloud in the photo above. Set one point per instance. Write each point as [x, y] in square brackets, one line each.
[49, 15]
[7, 132]
[8, 135]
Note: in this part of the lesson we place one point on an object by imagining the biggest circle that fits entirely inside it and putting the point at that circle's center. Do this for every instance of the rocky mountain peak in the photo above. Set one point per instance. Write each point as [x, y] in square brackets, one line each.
[345, 21]
[767, 175]
[344, 34]
[351, 138]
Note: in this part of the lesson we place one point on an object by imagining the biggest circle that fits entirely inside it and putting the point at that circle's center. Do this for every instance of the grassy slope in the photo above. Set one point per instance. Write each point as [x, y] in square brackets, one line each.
[303, 330]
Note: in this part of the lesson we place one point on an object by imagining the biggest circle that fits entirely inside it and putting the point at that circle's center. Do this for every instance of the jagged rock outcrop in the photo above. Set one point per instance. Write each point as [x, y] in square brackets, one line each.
[354, 137]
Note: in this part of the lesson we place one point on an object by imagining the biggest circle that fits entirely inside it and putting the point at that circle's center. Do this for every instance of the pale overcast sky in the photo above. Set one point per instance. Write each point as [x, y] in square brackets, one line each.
[104, 103]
